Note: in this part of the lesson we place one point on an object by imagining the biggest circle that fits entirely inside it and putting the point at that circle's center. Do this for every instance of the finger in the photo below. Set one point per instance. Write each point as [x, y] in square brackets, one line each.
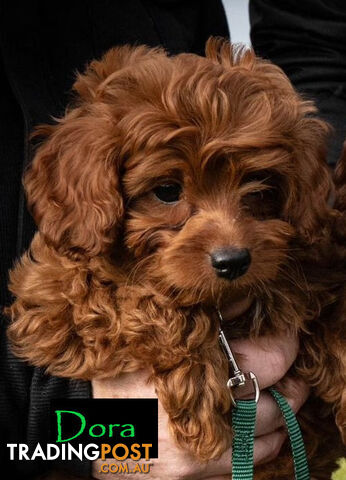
[269, 417]
[269, 357]
[268, 447]
[295, 390]
[218, 468]
[236, 308]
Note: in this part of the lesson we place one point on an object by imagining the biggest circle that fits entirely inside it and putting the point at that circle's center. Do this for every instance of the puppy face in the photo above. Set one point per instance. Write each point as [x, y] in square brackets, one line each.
[193, 174]
[201, 225]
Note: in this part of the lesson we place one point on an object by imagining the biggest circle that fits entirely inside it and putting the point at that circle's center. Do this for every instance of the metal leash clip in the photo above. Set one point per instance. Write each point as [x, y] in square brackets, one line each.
[239, 379]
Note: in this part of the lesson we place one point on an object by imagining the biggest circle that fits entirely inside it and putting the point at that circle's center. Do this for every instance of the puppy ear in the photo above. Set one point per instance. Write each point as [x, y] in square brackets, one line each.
[309, 184]
[73, 186]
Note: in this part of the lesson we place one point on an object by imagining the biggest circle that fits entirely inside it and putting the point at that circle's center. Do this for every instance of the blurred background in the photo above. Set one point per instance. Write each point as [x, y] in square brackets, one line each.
[237, 12]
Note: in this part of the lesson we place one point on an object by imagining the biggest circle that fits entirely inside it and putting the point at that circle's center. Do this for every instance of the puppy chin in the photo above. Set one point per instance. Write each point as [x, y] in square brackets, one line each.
[209, 291]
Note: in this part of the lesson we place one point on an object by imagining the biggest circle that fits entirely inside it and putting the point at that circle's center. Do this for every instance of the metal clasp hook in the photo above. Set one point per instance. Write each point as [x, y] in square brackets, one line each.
[239, 378]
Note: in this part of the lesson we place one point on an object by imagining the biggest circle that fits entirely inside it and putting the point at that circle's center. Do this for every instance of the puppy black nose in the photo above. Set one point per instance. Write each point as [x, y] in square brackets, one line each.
[231, 263]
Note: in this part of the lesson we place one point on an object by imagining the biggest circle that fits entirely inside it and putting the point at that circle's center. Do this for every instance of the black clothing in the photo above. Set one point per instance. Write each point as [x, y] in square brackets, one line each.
[25, 394]
[42, 44]
[307, 39]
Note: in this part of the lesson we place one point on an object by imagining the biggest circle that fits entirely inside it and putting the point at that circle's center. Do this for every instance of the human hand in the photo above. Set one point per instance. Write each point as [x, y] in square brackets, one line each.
[269, 358]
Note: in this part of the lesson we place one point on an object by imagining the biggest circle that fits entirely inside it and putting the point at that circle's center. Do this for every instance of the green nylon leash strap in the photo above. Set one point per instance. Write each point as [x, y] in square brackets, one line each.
[243, 422]
[301, 467]
[244, 419]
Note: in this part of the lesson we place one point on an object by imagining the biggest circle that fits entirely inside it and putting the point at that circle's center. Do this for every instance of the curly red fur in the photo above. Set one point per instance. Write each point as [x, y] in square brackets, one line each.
[115, 280]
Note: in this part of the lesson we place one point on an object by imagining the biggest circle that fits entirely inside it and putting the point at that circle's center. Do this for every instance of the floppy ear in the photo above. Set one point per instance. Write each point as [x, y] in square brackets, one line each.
[310, 182]
[73, 185]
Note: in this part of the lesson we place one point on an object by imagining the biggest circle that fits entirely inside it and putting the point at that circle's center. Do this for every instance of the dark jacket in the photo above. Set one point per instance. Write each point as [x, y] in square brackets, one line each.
[42, 45]
[307, 39]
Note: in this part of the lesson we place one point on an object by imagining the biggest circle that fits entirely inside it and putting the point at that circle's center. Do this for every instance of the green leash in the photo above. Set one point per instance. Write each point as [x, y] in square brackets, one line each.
[243, 422]
[244, 419]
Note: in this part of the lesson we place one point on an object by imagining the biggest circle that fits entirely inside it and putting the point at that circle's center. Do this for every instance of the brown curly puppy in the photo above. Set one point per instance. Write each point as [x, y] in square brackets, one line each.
[172, 185]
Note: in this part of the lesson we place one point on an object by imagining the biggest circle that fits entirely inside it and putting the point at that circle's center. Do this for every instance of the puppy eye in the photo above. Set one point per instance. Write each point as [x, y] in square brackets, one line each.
[265, 197]
[168, 192]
